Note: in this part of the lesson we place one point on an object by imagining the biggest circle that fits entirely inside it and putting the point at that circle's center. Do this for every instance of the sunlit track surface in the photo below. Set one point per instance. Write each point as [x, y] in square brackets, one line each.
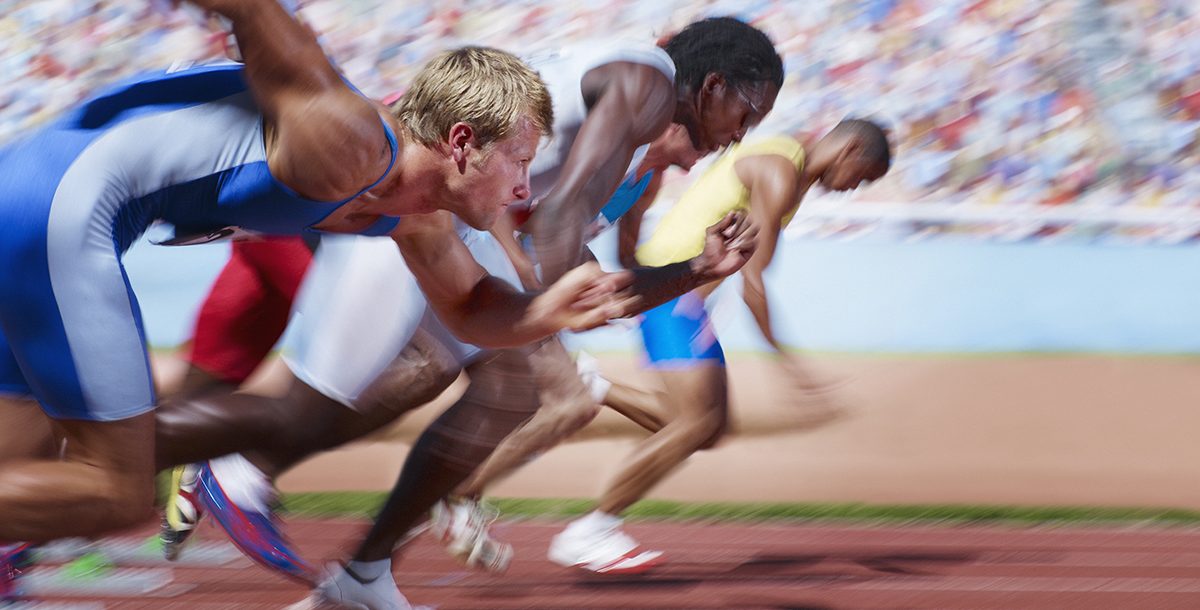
[712, 565]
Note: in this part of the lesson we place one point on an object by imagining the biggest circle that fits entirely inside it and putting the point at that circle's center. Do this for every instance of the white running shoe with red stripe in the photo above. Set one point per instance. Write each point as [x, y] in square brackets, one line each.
[598, 545]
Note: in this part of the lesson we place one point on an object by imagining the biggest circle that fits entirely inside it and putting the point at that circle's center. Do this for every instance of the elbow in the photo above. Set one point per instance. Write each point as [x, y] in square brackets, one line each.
[486, 338]
[465, 332]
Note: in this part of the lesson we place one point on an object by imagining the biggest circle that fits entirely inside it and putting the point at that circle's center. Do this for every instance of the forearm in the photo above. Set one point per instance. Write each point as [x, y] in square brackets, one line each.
[627, 254]
[754, 294]
[497, 315]
[558, 237]
[504, 234]
[630, 226]
[656, 285]
[504, 231]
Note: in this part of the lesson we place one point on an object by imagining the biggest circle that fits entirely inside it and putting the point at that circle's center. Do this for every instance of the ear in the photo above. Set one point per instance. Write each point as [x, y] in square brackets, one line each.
[461, 141]
[851, 149]
[712, 82]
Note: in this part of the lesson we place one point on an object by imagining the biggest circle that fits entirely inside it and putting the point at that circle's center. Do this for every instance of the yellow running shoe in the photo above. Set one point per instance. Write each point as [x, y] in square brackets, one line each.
[182, 512]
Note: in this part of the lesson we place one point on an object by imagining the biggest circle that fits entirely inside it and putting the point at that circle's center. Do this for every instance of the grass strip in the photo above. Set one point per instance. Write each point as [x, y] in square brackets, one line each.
[365, 504]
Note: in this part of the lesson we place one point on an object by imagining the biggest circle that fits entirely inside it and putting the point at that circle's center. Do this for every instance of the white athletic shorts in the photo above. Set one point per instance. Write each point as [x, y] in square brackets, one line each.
[360, 305]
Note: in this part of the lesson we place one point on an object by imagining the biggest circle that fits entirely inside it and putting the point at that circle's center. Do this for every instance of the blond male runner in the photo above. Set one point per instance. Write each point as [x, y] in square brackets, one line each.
[280, 145]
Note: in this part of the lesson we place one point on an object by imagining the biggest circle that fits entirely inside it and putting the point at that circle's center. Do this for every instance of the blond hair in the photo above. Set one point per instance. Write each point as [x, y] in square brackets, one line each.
[486, 88]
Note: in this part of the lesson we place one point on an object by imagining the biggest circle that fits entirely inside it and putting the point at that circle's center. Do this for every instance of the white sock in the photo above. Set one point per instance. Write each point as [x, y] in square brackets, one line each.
[246, 485]
[369, 570]
[594, 521]
[188, 479]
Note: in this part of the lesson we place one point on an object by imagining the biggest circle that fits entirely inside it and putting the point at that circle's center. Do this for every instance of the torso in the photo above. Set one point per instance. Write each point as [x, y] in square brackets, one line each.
[679, 236]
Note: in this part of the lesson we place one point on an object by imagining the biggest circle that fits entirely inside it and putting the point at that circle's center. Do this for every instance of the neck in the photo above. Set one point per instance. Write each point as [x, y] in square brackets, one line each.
[686, 112]
[815, 162]
[818, 157]
[651, 162]
[414, 186]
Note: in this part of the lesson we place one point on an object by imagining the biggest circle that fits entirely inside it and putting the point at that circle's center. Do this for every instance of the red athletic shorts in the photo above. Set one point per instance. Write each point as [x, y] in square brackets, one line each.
[247, 309]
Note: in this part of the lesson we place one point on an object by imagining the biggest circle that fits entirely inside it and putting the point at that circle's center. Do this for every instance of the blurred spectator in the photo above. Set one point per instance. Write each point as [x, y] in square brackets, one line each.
[994, 102]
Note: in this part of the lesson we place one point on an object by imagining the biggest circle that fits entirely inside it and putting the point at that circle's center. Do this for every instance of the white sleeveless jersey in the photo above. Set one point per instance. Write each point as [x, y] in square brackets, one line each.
[563, 70]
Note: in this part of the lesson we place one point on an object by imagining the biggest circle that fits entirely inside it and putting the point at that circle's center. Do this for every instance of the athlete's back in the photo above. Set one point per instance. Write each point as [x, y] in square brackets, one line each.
[186, 147]
[718, 191]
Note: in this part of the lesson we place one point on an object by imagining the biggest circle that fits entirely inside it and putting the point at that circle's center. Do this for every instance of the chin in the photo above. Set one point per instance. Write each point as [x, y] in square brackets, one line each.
[481, 222]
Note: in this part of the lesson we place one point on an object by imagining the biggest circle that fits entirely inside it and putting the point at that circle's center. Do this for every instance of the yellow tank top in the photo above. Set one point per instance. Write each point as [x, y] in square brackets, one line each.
[718, 191]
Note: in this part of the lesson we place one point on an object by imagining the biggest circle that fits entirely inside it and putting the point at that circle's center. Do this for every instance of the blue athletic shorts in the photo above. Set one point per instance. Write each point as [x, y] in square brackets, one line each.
[678, 334]
[70, 328]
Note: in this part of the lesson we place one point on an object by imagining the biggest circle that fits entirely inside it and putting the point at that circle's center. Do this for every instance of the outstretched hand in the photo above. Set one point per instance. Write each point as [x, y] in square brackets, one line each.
[728, 244]
[585, 298]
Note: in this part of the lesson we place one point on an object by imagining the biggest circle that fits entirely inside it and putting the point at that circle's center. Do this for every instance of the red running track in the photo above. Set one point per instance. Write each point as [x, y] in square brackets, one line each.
[809, 566]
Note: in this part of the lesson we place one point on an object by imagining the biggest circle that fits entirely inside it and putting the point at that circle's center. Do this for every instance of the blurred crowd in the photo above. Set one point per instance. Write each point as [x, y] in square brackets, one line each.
[1070, 102]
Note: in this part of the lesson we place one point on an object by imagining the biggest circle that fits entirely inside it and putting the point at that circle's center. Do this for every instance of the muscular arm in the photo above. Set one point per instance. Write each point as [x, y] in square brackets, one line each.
[504, 232]
[634, 104]
[630, 225]
[323, 140]
[476, 306]
[774, 188]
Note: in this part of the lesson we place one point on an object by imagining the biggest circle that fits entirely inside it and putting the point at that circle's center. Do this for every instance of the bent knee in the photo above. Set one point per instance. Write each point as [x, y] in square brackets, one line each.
[710, 430]
[581, 413]
[713, 439]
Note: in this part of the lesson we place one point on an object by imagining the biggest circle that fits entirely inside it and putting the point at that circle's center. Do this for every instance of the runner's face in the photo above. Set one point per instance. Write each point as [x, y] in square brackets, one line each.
[727, 112]
[851, 172]
[501, 176]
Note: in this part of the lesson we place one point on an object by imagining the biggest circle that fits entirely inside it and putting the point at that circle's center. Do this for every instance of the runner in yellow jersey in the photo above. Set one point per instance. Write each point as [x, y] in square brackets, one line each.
[766, 178]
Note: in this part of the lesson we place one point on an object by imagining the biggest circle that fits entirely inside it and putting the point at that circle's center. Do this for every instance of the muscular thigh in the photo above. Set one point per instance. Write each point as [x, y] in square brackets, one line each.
[559, 384]
[25, 431]
[422, 371]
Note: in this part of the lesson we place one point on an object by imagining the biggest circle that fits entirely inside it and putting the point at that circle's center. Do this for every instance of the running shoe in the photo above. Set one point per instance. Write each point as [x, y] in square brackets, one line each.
[254, 530]
[341, 589]
[183, 511]
[463, 526]
[601, 548]
[14, 559]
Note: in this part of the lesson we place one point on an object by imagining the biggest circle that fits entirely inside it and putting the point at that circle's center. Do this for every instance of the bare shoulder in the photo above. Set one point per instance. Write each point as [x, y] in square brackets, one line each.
[773, 168]
[640, 90]
[772, 180]
[329, 145]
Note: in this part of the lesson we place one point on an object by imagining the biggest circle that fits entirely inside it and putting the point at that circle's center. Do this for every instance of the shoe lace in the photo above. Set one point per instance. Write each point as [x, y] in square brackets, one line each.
[485, 512]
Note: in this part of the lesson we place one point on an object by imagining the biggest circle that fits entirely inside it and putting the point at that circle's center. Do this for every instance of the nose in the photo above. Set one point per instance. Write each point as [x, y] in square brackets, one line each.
[521, 192]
